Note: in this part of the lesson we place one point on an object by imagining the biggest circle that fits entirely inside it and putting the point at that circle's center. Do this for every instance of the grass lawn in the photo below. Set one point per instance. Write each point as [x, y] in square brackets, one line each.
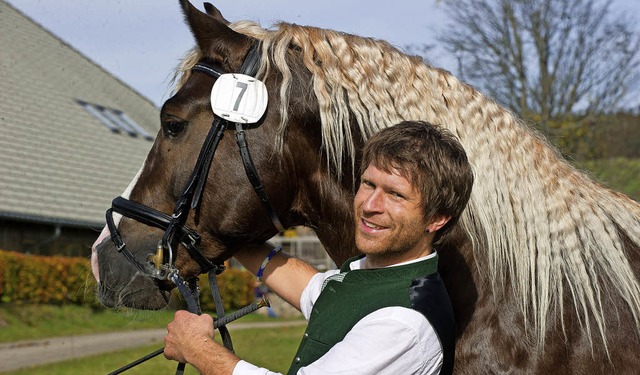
[30, 322]
[27, 322]
[270, 348]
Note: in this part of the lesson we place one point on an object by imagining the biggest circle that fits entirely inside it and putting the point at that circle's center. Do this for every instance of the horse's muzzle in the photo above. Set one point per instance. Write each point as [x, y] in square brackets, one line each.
[141, 292]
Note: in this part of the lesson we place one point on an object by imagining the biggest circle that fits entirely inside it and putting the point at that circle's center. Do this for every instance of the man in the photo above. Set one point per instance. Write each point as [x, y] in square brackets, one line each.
[387, 311]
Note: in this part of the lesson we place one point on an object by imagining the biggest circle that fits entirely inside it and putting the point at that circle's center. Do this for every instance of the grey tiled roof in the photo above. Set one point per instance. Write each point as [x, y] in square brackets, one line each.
[57, 162]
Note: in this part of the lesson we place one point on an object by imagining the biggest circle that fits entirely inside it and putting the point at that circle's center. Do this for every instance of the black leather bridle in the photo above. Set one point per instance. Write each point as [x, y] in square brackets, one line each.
[191, 196]
[161, 265]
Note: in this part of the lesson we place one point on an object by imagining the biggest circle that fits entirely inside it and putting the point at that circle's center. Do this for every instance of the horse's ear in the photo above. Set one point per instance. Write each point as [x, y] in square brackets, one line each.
[212, 33]
[215, 13]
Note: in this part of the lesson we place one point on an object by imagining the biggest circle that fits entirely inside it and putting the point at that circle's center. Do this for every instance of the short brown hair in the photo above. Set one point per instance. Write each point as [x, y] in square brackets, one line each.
[432, 159]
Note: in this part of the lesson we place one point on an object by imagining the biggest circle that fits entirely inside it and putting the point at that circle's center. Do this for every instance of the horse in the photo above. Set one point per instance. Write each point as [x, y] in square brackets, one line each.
[543, 268]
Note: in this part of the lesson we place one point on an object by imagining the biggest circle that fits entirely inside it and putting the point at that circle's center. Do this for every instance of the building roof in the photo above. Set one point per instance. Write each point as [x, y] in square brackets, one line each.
[59, 162]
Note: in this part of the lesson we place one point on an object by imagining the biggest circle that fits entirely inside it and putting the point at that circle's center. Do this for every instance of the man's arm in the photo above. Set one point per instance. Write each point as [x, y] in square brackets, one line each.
[285, 275]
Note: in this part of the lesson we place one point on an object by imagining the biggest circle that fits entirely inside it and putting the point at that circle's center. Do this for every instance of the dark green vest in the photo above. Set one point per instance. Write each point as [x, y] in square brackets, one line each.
[351, 295]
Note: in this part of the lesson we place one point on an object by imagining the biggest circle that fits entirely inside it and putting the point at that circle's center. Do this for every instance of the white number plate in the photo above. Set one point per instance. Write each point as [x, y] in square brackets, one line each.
[239, 98]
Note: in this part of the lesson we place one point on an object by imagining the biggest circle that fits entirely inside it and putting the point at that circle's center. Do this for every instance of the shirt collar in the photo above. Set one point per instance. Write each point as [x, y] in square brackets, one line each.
[358, 264]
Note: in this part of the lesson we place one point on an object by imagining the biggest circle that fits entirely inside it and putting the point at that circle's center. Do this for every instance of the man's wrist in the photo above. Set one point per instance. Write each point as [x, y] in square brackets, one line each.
[213, 358]
[266, 260]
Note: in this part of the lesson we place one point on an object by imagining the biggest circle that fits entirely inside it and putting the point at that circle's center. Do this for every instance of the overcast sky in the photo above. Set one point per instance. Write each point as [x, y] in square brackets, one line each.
[141, 41]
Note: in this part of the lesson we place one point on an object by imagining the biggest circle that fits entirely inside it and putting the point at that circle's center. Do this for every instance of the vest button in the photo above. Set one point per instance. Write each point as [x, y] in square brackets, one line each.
[306, 334]
[297, 360]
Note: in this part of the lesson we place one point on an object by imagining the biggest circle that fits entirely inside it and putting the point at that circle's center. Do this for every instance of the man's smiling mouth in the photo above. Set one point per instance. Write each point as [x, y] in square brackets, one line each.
[371, 225]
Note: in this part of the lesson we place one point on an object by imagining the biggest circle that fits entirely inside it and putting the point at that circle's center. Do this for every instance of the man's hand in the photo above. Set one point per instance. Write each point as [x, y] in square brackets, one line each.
[189, 339]
[187, 335]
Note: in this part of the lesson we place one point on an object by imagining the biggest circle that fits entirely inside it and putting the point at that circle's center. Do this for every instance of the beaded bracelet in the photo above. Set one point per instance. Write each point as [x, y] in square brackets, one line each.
[266, 260]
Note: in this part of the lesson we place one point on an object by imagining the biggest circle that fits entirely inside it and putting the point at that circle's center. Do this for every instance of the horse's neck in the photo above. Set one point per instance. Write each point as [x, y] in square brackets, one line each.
[321, 201]
[328, 209]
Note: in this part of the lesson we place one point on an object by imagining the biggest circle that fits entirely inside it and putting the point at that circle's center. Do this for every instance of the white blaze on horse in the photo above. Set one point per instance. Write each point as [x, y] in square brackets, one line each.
[105, 231]
[543, 270]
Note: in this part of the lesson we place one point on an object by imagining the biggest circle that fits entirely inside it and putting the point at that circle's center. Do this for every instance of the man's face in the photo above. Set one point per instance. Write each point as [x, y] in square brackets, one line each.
[390, 226]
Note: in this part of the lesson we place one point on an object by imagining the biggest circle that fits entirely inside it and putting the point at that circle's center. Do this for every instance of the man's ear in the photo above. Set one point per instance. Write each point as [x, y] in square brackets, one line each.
[437, 223]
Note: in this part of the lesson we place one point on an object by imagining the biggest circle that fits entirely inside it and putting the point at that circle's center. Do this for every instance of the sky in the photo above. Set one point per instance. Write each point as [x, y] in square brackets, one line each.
[142, 41]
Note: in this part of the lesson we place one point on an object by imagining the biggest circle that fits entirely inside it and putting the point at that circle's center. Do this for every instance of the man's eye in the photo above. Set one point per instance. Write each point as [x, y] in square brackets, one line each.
[173, 128]
[397, 195]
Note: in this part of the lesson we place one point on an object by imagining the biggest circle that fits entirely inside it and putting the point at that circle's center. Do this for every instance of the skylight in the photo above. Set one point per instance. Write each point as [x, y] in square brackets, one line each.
[116, 120]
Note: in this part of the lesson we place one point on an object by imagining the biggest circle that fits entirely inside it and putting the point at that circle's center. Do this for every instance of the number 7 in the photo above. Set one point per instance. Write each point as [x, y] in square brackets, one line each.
[243, 88]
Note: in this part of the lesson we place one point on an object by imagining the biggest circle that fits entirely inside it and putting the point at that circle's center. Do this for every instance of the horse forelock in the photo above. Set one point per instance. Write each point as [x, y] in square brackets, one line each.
[544, 228]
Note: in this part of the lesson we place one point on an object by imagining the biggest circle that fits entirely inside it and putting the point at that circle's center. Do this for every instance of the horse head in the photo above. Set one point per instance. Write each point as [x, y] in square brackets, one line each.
[229, 214]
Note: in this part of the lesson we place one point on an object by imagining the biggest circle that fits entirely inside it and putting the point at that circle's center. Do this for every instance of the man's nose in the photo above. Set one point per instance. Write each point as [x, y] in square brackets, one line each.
[374, 202]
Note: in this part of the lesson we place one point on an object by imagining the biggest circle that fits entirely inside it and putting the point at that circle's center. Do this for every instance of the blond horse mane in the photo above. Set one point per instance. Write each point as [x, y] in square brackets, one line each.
[546, 228]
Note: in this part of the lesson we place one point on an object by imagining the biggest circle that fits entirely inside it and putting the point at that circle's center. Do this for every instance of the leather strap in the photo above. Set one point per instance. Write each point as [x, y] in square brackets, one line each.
[217, 301]
[252, 175]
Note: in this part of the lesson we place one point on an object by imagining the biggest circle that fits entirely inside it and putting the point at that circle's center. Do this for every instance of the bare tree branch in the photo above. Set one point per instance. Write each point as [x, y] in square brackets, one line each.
[546, 58]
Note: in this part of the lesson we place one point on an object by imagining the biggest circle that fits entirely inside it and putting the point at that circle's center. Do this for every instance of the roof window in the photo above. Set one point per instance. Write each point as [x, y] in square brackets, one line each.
[116, 120]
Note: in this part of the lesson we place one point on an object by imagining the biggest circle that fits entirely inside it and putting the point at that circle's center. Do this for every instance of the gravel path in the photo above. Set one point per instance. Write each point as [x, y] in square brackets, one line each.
[20, 354]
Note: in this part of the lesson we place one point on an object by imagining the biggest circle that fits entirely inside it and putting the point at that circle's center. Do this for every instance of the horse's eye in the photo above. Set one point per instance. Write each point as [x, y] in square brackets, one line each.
[173, 128]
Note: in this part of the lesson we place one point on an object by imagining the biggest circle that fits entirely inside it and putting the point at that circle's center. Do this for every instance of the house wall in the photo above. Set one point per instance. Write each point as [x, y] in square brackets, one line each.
[43, 239]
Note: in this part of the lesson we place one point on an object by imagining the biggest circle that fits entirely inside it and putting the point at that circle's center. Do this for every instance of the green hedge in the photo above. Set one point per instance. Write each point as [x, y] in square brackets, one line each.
[57, 280]
[51, 280]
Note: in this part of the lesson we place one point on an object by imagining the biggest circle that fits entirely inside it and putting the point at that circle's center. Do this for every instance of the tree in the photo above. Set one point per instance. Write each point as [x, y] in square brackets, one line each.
[545, 58]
